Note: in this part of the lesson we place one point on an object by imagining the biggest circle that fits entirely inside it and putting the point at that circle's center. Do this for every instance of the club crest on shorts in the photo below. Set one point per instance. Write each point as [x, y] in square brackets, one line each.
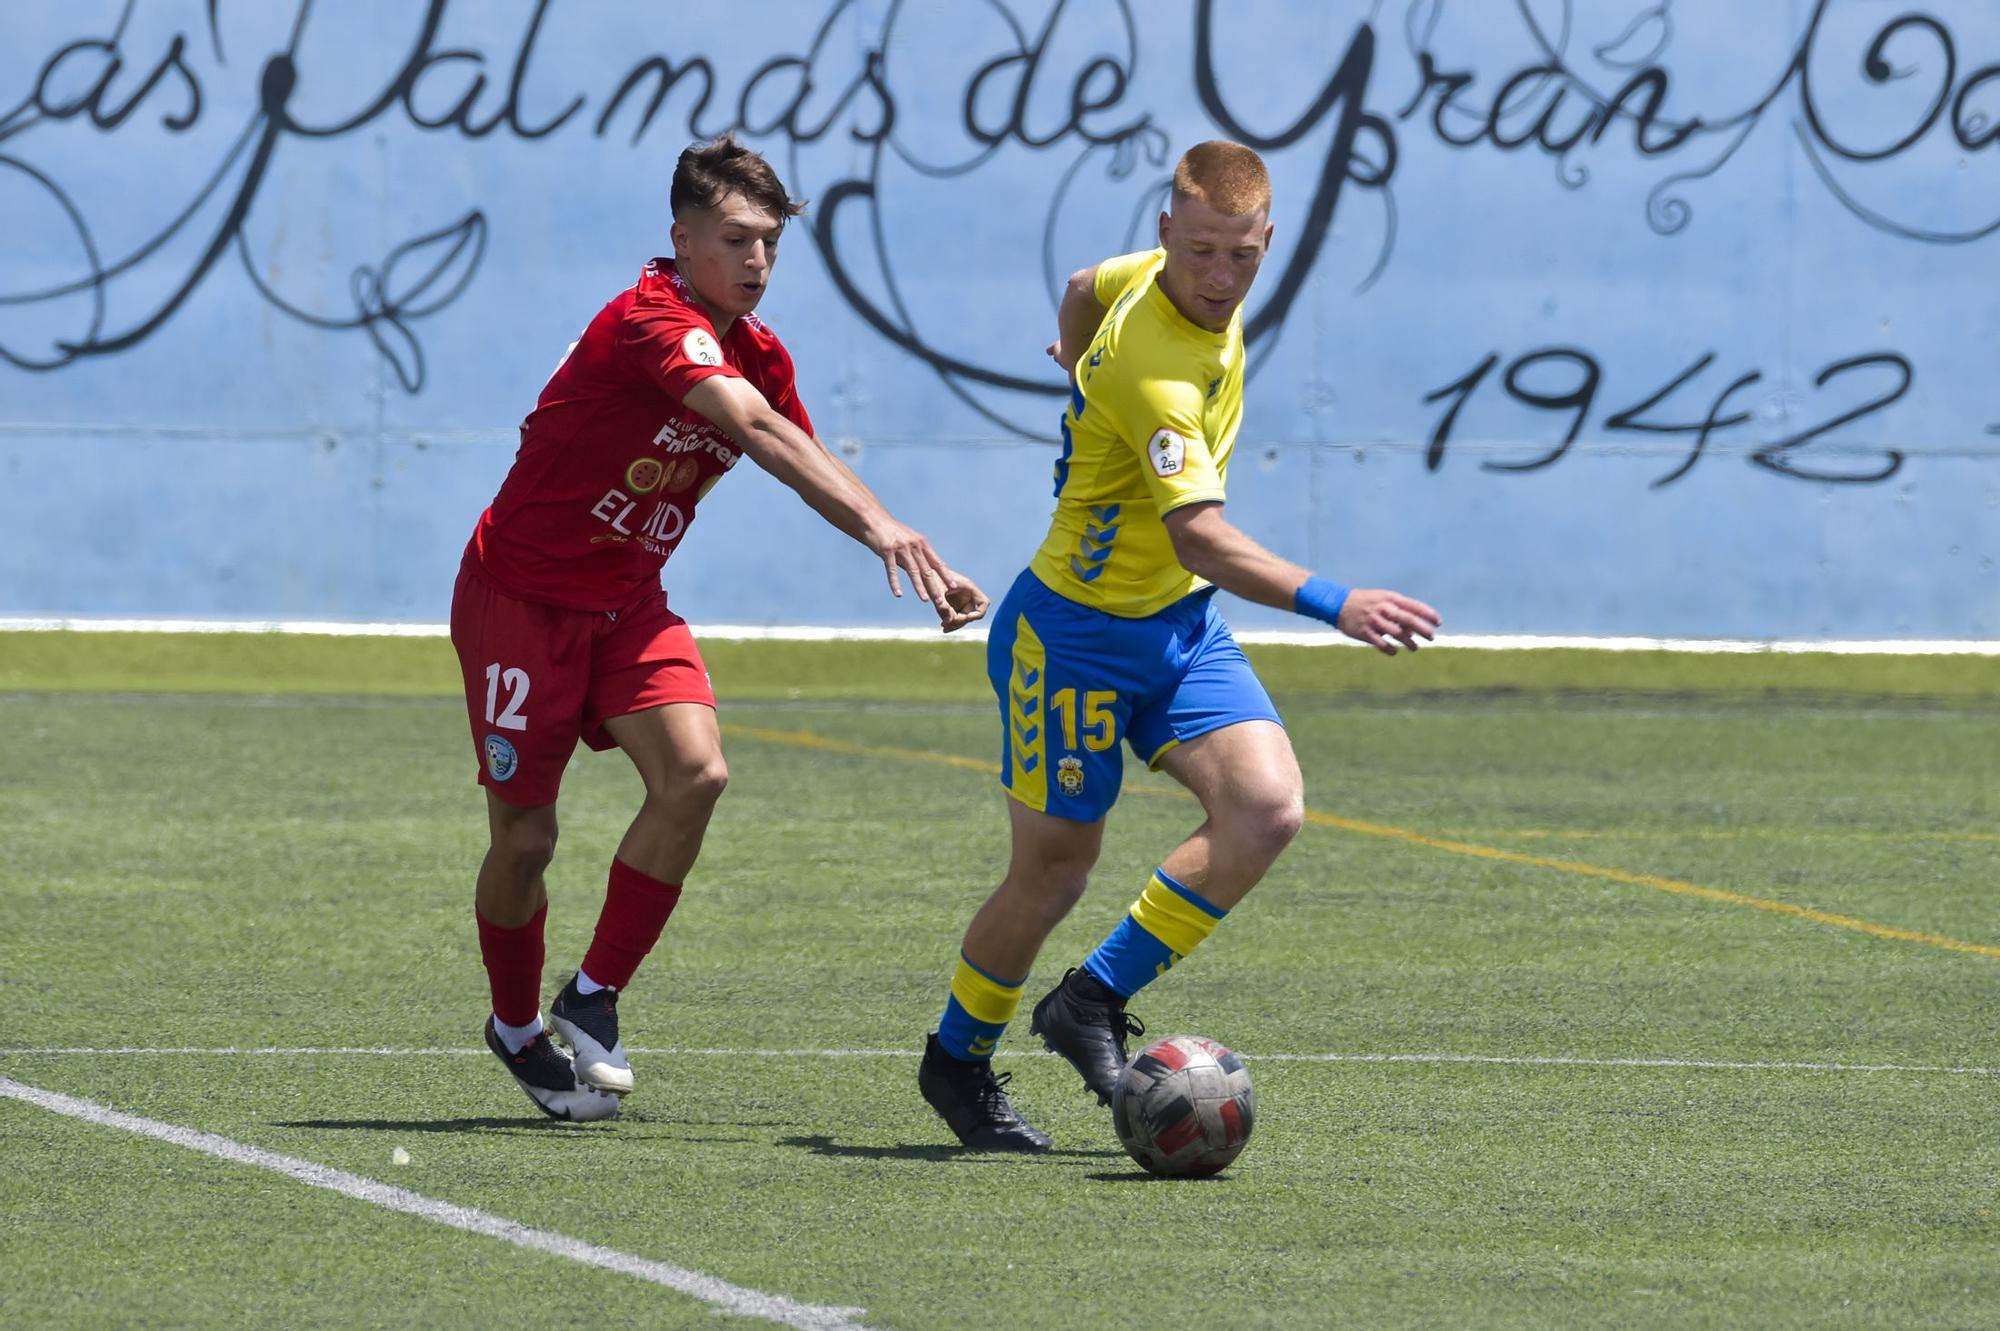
[700, 348]
[501, 760]
[1069, 775]
[1167, 452]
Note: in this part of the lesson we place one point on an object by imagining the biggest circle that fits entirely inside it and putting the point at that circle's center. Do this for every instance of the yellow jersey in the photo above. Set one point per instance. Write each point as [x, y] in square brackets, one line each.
[1152, 418]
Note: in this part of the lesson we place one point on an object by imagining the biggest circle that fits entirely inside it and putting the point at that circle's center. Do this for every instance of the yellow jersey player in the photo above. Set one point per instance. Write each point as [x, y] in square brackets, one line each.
[1111, 637]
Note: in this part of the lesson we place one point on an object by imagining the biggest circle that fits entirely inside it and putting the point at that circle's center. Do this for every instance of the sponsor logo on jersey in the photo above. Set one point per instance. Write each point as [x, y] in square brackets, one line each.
[663, 526]
[657, 531]
[1069, 775]
[643, 476]
[681, 473]
[681, 437]
[1167, 452]
[501, 760]
[700, 348]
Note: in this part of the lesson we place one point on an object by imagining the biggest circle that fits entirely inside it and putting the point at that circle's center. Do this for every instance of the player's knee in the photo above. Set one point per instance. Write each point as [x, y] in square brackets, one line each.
[526, 846]
[708, 780]
[1289, 819]
[691, 786]
[1066, 886]
[1054, 887]
[1269, 818]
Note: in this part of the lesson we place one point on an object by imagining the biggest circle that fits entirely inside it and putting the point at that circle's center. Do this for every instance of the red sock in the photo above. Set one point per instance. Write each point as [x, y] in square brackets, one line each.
[635, 910]
[513, 960]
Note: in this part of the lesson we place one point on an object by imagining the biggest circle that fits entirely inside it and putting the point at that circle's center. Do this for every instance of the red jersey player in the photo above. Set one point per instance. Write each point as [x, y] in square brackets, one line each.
[563, 631]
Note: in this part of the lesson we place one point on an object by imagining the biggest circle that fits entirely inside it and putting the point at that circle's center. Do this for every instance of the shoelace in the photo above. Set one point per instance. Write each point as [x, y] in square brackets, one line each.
[990, 1096]
[1124, 1024]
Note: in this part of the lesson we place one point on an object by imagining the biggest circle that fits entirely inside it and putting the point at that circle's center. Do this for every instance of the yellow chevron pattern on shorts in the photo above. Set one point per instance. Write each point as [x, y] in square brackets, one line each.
[1027, 738]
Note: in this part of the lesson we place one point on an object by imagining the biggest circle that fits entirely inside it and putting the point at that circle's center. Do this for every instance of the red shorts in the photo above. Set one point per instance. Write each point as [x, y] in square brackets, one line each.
[538, 678]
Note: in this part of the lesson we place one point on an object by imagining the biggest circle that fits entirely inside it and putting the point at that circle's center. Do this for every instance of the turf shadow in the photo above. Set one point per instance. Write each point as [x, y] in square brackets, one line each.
[827, 1146]
[431, 1124]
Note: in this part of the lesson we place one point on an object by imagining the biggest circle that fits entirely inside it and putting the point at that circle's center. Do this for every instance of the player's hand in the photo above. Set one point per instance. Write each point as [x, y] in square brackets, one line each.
[1383, 618]
[963, 603]
[1055, 350]
[904, 548]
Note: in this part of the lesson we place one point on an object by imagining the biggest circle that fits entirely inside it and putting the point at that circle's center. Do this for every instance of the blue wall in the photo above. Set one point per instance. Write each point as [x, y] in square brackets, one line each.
[278, 281]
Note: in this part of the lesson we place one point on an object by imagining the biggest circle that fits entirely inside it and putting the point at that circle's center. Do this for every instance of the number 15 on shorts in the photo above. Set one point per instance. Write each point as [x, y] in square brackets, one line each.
[1097, 723]
[514, 682]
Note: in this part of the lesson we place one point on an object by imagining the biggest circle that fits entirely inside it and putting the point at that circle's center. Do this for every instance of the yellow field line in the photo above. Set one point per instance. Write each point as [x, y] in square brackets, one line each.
[1719, 834]
[1653, 881]
[806, 739]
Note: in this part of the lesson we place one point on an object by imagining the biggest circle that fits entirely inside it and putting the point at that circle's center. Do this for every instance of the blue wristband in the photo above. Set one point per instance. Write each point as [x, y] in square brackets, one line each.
[1320, 598]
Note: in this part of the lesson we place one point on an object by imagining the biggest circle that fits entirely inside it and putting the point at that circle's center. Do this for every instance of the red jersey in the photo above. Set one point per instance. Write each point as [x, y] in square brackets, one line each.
[612, 462]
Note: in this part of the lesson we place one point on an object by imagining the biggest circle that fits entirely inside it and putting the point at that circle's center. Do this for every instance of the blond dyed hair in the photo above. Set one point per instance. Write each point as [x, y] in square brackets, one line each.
[1226, 176]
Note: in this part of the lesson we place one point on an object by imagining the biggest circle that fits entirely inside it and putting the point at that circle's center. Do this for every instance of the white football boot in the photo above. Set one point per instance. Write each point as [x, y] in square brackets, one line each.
[589, 1023]
[548, 1077]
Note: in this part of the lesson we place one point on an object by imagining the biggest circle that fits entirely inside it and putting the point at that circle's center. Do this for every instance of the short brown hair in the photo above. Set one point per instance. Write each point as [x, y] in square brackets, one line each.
[1226, 176]
[708, 171]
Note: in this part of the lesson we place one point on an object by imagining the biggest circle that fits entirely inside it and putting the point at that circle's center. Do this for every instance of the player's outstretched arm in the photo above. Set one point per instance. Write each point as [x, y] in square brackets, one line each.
[962, 595]
[1210, 546]
[836, 494]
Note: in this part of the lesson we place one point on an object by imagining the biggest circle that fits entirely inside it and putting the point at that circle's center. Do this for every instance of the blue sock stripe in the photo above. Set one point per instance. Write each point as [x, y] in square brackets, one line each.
[1003, 983]
[1129, 958]
[1189, 895]
[962, 1035]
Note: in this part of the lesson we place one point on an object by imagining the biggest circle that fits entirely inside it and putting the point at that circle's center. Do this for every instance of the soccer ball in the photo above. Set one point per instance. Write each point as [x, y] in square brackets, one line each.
[1183, 1107]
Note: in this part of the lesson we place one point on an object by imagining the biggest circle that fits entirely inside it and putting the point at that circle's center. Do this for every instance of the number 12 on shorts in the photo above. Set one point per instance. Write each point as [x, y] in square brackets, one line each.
[515, 681]
[1099, 723]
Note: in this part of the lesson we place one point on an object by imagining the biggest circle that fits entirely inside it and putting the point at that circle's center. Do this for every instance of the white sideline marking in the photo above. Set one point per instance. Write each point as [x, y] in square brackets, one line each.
[822, 633]
[733, 1299]
[1496, 1060]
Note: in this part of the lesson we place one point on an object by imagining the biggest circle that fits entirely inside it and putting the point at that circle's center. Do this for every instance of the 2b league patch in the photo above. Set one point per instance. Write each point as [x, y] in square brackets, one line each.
[700, 348]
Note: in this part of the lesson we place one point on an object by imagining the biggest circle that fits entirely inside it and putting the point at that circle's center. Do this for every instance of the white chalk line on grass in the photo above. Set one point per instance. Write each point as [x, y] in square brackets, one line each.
[729, 1298]
[1493, 1060]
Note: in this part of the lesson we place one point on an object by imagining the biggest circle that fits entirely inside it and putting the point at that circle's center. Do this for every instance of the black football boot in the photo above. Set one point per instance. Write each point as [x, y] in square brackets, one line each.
[968, 1096]
[1087, 1024]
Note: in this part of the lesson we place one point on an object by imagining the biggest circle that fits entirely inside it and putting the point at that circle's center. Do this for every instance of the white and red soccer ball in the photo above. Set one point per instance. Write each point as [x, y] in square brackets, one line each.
[1183, 1106]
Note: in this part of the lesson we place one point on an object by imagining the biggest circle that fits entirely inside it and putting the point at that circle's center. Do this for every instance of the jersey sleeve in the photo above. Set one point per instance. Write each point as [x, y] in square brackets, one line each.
[1161, 419]
[1114, 275]
[671, 349]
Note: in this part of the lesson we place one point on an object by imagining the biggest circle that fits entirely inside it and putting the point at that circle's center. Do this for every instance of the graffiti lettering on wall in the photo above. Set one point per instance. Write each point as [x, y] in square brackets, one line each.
[1053, 78]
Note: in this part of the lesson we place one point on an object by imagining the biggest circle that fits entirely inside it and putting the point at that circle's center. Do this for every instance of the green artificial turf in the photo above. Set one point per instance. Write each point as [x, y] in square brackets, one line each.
[1492, 1092]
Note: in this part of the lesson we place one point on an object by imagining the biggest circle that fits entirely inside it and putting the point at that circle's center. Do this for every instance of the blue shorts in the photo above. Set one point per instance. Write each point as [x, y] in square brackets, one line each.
[1073, 682]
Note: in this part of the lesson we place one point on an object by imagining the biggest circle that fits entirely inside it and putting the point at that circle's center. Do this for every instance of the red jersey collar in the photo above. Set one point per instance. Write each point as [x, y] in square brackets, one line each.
[664, 269]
